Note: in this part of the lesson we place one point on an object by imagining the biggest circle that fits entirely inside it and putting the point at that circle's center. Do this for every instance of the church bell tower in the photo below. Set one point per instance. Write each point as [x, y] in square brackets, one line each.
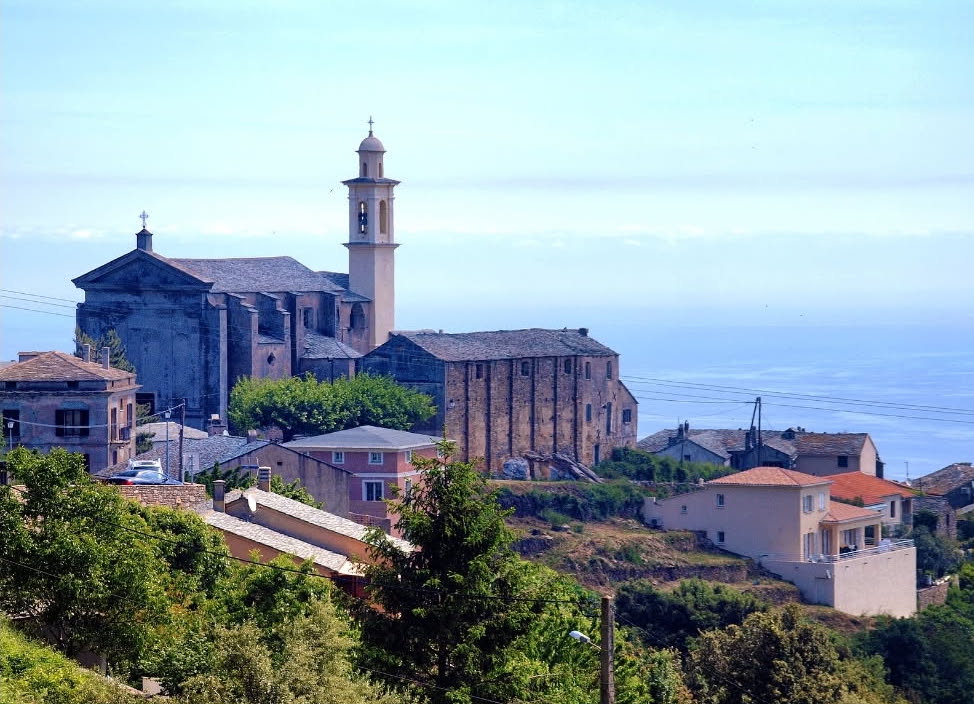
[371, 237]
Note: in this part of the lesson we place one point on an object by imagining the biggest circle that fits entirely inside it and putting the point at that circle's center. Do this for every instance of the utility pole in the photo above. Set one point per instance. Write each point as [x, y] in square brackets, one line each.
[607, 680]
[182, 424]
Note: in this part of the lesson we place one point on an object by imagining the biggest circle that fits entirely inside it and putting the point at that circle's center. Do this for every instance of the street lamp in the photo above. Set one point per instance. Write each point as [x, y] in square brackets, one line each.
[167, 414]
[10, 435]
[607, 684]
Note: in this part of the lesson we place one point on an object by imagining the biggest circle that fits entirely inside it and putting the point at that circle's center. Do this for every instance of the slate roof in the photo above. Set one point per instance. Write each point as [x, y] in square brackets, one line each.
[279, 541]
[872, 490]
[308, 514]
[508, 344]
[769, 476]
[211, 449]
[317, 346]
[840, 513]
[724, 441]
[364, 437]
[60, 366]
[944, 480]
[257, 274]
[171, 495]
[158, 431]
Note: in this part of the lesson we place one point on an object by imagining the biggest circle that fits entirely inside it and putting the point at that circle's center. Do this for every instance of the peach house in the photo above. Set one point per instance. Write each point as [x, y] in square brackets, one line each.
[378, 459]
[787, 522]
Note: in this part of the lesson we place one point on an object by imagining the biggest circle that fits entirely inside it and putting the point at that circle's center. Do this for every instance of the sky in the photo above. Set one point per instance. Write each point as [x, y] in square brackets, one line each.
[562, 163]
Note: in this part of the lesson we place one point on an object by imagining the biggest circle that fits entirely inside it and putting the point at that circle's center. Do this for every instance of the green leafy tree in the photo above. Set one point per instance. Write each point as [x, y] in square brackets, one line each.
[239, 478]
[676, 618]
[67, 561]
[306, 406]
[111, 340]
[936, 555]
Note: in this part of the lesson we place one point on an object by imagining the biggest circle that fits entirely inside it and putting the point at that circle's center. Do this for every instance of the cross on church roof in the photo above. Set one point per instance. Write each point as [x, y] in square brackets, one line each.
[370, 125]
[144, 216]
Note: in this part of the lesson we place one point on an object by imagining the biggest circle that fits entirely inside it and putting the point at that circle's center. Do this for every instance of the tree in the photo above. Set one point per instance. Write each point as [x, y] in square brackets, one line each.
[306, 406]
[936, 556]
[67, 560]
[452, 608]
[111, 340]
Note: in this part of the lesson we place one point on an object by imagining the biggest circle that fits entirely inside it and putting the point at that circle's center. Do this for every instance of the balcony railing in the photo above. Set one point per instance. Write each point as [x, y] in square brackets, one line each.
[883, 547]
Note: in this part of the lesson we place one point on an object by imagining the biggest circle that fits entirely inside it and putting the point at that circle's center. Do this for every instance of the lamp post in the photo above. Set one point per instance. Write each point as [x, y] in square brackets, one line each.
[167, 414]
[10, 436]
[607, 684]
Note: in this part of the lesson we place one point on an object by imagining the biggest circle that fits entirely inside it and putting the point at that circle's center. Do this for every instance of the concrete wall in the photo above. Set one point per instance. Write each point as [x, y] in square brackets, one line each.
[823, 465]
[696, 453]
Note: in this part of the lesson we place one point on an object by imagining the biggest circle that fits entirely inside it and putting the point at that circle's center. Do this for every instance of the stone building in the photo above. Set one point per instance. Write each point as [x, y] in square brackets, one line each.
[53, 399]
[192, 327]
[506, 393]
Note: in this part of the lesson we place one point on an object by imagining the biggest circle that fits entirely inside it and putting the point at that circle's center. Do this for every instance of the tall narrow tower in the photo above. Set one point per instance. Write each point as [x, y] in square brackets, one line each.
[371, 238]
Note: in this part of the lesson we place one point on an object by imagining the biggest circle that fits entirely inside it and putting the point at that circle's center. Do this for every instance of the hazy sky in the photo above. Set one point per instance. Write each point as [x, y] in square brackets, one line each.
[769, 162]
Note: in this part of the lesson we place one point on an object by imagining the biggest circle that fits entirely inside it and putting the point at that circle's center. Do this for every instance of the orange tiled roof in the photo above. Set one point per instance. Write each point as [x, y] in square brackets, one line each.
[856, 485]
[58, 366]
[770, 476]
[839, 513]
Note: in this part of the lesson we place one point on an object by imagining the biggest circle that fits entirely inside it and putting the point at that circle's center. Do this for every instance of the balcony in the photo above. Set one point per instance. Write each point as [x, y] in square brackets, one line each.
[884, 547]
[121, 434]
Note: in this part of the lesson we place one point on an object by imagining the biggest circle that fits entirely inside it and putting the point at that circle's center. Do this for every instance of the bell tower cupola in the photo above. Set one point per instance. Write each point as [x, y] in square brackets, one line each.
[371, 237]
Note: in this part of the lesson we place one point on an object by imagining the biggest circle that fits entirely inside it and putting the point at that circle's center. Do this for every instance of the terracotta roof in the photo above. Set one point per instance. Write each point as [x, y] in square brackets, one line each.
[171, 495]
[872, 490]
[944, 480]
[769, 476]
[59, 366]
[364, 437]
[508, 344]
[840, 513]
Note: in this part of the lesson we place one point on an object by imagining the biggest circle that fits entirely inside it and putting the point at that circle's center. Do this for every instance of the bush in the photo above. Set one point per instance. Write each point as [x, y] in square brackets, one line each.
[637, 465]
[581, 501]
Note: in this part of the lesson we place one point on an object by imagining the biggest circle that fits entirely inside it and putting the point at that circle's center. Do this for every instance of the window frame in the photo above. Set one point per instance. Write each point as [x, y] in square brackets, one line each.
[373, 490]
[67, 426]
[338, 457]
[842, 461]
[376, 458]
[720, 501]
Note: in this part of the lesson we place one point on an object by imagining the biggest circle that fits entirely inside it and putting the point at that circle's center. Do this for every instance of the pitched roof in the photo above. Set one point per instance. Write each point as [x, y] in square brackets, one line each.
[829, 443]
[317, 346]
[840, 513]
[308, 514]
[59, 366]
[170, 495]
[157, 431]
[872, 490]
[279, 541]
[364, 437]
[211, 449]
[508, 344]
[946, 479]
[769, 476]
[257, 274]
[724, 441]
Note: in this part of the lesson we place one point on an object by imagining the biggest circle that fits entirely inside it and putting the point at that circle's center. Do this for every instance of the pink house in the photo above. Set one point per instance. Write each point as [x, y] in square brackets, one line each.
[788, 523]
[378, 459]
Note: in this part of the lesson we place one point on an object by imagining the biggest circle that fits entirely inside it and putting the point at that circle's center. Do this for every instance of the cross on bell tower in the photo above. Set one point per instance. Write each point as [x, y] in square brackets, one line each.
[371, 238]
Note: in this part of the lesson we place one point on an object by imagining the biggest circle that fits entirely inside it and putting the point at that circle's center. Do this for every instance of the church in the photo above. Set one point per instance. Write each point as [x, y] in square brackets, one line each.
[192, 327]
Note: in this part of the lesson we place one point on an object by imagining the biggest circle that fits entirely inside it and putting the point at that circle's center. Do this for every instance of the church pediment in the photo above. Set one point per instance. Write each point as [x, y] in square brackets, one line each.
[140, 271]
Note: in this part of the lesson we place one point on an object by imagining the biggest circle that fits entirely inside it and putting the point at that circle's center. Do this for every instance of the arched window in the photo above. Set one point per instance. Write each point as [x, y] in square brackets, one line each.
[365, 170]
[383, 217]
[363, 217]
[380, 169]
[357, 319]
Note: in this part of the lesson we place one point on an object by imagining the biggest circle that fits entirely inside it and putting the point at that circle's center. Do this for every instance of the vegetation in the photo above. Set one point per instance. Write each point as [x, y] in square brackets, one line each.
[111, 340]
[306, 406]
[575, 500]
[239, 478]
[936, 555]
[637, 465]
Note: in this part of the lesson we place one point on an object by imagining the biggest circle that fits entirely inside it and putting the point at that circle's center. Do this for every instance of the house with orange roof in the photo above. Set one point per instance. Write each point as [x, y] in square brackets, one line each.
[54, 399]
[788, 523]
[892, 499]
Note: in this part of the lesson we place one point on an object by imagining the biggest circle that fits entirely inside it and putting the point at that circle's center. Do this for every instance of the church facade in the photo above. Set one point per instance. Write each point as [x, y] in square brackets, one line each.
[192, 327]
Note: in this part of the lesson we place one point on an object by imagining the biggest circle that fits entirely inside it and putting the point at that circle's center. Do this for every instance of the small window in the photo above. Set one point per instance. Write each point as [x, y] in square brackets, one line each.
[627, 415]
[588, 370]
[364, 171]
[383, 217]
[568, 366]
[408, 454]
[372, 491]
[892, 509]
[588, 412]
[719, 498]
[843, 460]
[375, 458]
[11, 424]
[608, 370]
[71, 423]
[271, 359]
[597, 454]
[821, 501]
[75, 385]
[363, 218]
[608, 418]
[720, 537]
[478, 371]
[686, 458]
[308, 317]
[338, 457]
[380, 169]
[525, 368]
[683, 508]
[807, 503]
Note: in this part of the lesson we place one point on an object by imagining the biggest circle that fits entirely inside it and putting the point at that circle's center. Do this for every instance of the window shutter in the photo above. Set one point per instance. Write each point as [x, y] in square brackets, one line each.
[59, 422]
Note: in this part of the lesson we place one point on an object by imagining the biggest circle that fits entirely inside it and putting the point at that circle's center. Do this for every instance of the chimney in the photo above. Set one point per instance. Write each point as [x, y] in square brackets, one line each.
[86, 352]
[24, 356]
[264, 478]
[583, 332]
[219, 494]
[106, 357]
[251, 435]
[143, 240]
[216, 426]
